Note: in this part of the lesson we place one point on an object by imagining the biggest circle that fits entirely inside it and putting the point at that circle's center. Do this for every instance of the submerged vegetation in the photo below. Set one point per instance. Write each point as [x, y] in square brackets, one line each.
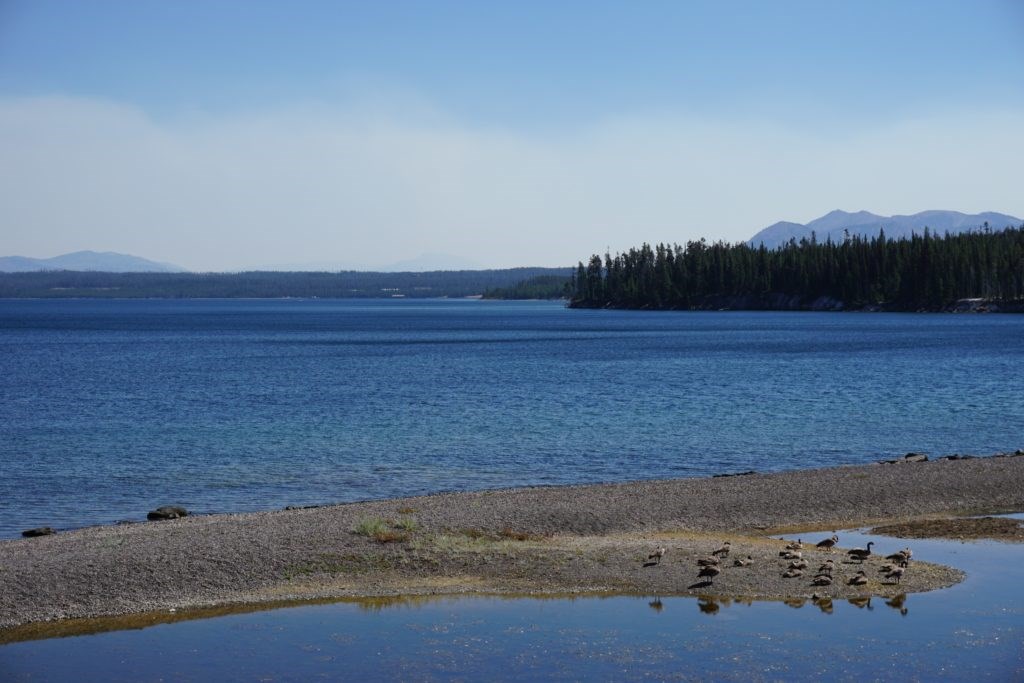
[925, 272]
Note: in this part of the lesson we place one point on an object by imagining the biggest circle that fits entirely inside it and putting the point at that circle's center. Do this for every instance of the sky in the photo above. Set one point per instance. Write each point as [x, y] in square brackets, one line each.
[229, 135]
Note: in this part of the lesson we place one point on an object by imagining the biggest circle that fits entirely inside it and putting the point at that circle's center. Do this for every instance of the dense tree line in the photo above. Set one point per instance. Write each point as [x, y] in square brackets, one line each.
[264, 284]
[539, 287]
[925, 272]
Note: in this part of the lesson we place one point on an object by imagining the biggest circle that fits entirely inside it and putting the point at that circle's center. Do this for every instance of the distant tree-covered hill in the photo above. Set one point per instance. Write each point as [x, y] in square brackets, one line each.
[924, 272]
[264, 284]
[539, 287]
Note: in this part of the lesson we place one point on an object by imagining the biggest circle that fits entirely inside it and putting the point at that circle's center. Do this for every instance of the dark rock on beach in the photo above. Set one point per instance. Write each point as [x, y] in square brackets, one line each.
[39, 531]
[915, 457]
[167, 512]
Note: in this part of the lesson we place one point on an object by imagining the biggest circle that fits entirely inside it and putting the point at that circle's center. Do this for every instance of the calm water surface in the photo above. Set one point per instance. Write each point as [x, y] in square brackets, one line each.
[971, 632]
[110, 408]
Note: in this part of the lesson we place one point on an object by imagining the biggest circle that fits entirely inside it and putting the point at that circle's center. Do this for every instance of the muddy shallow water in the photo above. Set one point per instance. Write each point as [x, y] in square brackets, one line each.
[973, 630]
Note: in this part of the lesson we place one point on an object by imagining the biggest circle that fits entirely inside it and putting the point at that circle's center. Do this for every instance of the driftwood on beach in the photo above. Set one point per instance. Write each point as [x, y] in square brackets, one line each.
[557, 539]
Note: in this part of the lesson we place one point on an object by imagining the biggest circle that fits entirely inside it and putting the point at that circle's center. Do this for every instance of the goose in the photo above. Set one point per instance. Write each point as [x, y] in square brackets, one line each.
[723, 551]
[822, 580]
[792, 574]
[896, 573]
[795, 545]
[792, 555]
[828, 543]
[708, 562]
[860, 553]
[902, 557]
[799, 564]
[658, 553]
[709, 573]
[740, 562]
[858, 579]
[826, 566]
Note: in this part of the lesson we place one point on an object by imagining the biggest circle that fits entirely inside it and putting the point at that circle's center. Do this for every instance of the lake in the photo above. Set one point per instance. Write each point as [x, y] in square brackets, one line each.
[111, 408]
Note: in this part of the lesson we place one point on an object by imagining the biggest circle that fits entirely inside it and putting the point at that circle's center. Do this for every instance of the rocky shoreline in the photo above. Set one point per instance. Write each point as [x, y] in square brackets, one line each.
[574, 539]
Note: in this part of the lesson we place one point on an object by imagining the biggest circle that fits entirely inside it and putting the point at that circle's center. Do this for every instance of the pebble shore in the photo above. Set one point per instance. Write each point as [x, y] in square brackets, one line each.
[573, 539]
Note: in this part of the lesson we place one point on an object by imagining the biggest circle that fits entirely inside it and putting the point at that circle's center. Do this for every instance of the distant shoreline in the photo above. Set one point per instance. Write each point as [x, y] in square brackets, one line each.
[568, 539]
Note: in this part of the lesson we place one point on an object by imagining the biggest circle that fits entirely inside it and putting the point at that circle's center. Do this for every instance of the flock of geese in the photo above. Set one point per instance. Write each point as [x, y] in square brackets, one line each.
[798, 566]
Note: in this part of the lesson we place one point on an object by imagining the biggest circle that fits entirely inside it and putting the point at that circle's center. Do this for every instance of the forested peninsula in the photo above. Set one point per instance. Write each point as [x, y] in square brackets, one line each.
[981, 270]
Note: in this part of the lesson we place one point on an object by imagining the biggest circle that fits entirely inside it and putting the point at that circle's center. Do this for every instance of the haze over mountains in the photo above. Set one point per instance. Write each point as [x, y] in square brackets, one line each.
[866, 224]
[106, 261]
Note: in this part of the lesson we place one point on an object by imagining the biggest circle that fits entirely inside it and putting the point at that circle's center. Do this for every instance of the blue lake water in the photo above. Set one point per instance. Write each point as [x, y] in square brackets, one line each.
[971, 632]
[110, 408]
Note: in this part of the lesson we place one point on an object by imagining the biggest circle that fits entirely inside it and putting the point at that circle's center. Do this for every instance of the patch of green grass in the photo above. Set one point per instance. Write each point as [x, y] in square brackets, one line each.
[406, 510]
[407, 524]
[371, 526]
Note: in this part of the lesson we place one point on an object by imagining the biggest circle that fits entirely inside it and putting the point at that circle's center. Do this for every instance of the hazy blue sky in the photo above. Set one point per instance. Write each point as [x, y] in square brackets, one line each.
[225, 135]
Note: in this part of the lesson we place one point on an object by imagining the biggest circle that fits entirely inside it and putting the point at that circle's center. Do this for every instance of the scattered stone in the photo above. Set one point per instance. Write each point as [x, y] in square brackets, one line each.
[957, 456]
[734, 474]
[167, 512]
[915, 457]
[38, 531]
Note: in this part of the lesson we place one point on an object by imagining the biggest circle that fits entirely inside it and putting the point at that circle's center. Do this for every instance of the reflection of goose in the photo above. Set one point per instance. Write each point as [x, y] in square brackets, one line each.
[709, 573]
[658, 553]
[795, 603]
[708, 606]
[741, 562]
[858, 579]
[823, 603]
[723, 551]
[896, 573]
[828, 543]
[656, 604]
[861, 602]
[897, 603]
[860, 554]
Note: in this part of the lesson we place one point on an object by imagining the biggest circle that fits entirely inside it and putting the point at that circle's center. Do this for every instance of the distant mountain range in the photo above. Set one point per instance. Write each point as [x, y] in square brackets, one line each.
[836, 223]
[106, 261]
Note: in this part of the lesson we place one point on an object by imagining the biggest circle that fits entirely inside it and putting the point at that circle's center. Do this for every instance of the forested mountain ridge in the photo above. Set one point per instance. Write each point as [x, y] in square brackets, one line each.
[264, 284]
[924, 272]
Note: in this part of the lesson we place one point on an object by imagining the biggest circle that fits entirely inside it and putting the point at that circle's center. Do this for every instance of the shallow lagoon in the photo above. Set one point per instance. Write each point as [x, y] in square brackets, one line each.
[972, 631]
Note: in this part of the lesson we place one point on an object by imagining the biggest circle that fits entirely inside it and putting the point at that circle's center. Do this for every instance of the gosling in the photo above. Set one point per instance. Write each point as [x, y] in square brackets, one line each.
[658, 553]
[828, 543]
[723, 551]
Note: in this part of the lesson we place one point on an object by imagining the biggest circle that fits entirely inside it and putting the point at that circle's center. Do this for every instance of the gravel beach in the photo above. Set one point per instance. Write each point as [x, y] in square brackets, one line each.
[575, 539]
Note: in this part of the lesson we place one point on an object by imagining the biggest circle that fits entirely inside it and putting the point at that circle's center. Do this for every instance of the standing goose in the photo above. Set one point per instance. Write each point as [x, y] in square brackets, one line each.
[901, 558]
[658, 553]
[860, 554]
[828, 543]
[709, 573]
